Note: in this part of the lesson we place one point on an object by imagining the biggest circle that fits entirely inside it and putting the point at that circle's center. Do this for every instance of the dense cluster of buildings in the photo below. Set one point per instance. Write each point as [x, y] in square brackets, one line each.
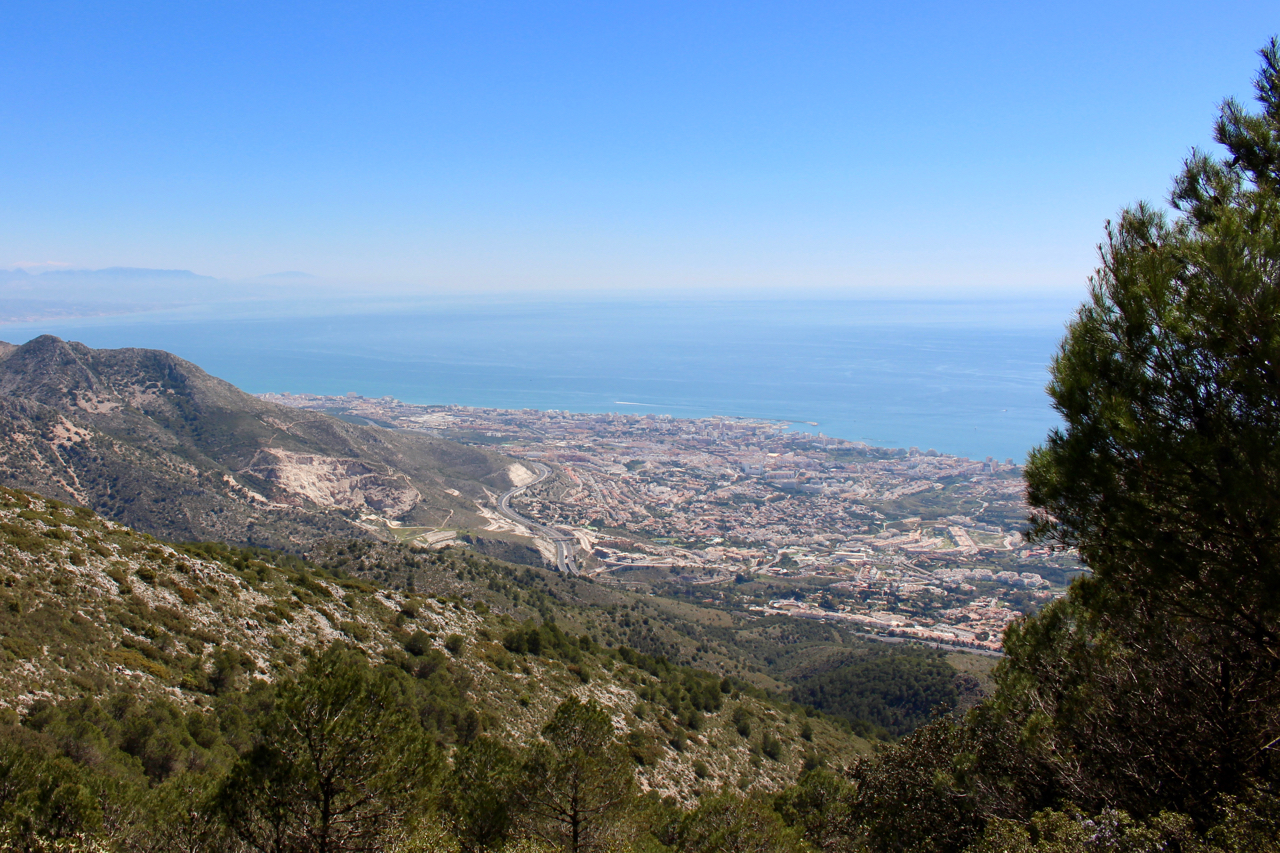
[917, 543]
[977, 624]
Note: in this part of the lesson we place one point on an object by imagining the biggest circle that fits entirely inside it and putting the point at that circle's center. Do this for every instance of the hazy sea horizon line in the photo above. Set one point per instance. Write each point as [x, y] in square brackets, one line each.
[961, 376]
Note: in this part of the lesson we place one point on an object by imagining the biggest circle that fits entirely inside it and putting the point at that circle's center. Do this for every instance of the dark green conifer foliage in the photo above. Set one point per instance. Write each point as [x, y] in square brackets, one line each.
[480, 797]
[342, 761]
[578, 780]
[44, 799]
[1158, 682]
[820, 805]
[895, 691]
[729, 823]
[1166, 475]
[1142, 712]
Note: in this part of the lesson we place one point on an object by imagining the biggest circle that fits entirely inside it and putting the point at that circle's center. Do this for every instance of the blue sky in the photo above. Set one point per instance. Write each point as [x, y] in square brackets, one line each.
[783, 147]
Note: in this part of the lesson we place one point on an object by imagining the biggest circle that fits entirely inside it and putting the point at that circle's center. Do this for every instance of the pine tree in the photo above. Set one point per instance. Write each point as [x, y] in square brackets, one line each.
[578, 780]
[1156, 685]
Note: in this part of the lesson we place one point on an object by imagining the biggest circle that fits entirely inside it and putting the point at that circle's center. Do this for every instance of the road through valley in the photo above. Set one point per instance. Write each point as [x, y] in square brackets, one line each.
[564, 543]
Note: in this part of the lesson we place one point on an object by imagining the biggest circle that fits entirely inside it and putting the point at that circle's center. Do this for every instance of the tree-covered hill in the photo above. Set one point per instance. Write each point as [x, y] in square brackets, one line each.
[895, 693]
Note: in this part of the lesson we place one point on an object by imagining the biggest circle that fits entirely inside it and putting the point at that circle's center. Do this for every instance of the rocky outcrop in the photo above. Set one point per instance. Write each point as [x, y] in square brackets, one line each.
[328, 482]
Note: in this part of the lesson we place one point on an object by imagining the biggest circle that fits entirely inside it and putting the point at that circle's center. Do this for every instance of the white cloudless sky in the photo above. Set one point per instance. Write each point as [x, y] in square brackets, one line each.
[783, 147]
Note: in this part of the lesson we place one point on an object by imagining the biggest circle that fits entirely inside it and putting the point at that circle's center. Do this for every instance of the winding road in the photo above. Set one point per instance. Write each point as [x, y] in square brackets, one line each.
[564, 542]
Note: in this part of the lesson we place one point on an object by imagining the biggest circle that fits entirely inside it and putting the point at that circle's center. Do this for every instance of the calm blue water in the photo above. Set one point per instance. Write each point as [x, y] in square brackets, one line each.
[961, 377]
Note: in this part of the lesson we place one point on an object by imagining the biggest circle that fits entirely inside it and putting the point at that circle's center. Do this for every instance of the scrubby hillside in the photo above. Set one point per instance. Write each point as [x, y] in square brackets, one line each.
[154, 442]
[879, 688]
[90, 608]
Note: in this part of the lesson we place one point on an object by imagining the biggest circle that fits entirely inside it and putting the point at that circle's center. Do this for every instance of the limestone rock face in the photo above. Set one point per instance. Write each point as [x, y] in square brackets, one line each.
[329, 482]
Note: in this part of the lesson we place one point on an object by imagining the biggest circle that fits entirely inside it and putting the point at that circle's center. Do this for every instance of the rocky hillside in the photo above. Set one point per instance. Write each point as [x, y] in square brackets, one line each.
[90, 608]
[153, 441]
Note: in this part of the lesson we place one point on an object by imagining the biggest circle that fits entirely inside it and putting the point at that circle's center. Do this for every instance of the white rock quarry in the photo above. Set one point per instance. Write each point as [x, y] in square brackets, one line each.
[520, 475]
[331, 482]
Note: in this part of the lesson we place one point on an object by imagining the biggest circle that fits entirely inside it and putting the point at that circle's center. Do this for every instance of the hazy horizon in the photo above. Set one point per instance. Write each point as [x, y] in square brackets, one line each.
[32, 301]
[639, 149]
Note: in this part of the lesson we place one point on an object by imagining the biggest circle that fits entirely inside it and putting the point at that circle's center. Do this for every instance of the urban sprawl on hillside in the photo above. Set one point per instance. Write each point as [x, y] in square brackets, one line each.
[757, 516]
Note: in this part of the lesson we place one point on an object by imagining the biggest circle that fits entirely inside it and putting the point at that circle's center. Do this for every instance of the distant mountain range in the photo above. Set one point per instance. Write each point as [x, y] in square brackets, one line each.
[150, 440]
[26, 296]
[109, 272]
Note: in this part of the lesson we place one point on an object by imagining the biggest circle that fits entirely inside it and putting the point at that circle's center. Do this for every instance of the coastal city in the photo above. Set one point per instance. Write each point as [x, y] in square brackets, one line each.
[755, 515]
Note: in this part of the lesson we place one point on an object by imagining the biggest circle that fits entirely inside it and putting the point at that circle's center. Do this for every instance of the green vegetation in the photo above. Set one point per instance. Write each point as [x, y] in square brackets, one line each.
[893, 692]
[577, 779]
[1142, 711]
[339, 759]
[773, 654]
[1140, 714]
[203, 696]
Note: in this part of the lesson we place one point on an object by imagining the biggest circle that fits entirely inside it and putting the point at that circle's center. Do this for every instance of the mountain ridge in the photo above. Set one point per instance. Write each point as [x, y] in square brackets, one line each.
[154, 441]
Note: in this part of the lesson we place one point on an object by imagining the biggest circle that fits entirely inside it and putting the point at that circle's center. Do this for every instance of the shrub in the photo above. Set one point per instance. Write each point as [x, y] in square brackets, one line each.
[354, 630]
[418, 643]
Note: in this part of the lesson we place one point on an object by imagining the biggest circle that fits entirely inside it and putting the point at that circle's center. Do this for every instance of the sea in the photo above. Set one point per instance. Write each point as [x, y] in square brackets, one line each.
[964, 377]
